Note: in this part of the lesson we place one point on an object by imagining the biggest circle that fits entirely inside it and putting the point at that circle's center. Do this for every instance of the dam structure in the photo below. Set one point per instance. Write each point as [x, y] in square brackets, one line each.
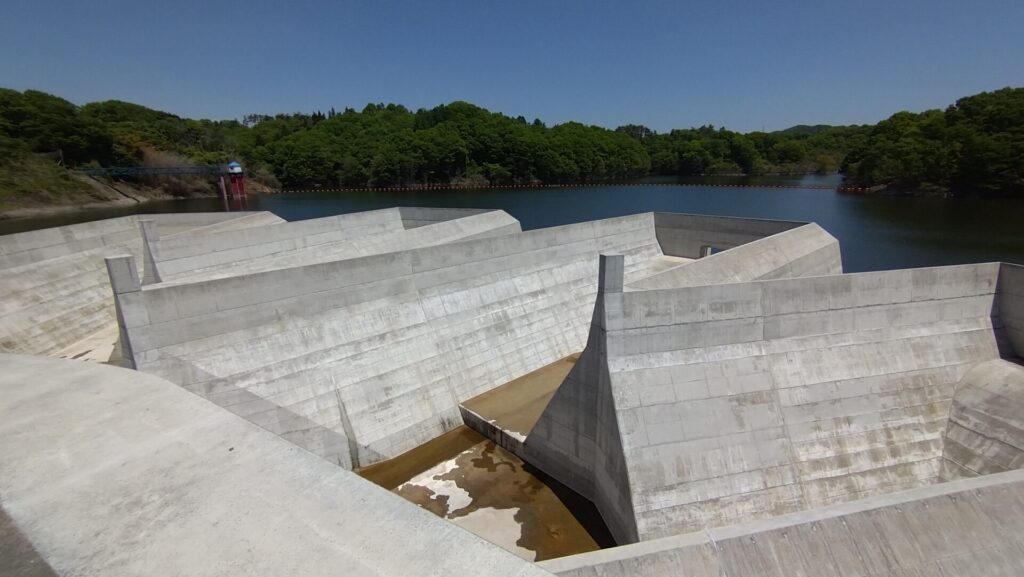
[728, 400]
[361, 358]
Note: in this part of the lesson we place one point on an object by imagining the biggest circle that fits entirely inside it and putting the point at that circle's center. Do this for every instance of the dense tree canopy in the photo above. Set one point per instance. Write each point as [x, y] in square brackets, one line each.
[977, 145]
[707, 150]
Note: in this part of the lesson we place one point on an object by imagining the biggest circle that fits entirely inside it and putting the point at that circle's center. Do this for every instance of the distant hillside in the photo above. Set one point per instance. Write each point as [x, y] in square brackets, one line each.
[805, 129]
[974, 147]
[969, 148]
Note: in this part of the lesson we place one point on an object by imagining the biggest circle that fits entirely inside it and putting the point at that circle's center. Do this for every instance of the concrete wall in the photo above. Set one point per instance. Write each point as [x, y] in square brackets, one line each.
[314, 241]
[1010, 306]
[247, 220]
[965, 528]
[985, 433]
[416, 216]
[686, 234]
[378, 351]
[54, 290]
[752, 400]
[180, 254]
[113, 472]
[802, 251]
[570, 444]
[39, 245]
[53, 304]
[174, 223]
[26, 248]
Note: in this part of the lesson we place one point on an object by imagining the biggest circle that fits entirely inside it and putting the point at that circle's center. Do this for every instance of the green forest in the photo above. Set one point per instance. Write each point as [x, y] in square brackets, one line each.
[976, 146]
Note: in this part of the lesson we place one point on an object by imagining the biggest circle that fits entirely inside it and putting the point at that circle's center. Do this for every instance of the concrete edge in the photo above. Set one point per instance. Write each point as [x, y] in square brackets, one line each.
[709, 536]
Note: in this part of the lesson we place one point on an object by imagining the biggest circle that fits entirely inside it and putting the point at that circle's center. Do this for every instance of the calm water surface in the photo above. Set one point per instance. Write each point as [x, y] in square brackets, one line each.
[875, 233]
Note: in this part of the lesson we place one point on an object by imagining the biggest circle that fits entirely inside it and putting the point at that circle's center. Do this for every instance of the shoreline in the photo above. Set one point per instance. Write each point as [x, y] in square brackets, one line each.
[61, 209]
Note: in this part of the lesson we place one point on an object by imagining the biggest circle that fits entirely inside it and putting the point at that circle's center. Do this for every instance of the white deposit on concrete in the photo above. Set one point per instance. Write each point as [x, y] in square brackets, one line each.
[433, 480]
[498, 526]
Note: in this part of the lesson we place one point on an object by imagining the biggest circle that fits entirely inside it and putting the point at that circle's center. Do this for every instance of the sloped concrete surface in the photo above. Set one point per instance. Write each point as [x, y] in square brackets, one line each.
[965, 528]
[112, 472]
[985, 433]
[54, 290]
[352, 238]
[797, 251]
[365, 358]
[751, 400]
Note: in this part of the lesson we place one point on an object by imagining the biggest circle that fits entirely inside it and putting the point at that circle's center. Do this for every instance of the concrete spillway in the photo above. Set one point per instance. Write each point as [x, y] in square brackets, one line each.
[707, 406]
[309, 351]
[729, 401]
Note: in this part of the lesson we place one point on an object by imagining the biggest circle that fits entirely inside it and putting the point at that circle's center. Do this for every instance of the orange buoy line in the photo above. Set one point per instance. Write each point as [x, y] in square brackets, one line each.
[432, 187]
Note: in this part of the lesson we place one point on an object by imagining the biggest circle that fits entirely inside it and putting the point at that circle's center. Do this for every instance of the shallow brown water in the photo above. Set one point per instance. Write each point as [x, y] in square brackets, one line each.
[483, 488]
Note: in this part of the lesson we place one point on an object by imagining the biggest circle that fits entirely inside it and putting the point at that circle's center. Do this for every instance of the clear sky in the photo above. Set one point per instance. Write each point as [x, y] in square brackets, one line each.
[744, 64]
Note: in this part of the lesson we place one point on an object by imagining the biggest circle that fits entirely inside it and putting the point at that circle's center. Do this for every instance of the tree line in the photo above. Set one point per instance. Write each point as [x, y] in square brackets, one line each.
[974, 146]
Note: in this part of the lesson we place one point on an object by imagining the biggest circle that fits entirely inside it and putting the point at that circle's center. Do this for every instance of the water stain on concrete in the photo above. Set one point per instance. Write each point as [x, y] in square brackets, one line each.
[492, 493]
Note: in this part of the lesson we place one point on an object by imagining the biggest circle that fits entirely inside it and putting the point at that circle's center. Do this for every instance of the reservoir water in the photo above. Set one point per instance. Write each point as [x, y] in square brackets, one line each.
[875, 232]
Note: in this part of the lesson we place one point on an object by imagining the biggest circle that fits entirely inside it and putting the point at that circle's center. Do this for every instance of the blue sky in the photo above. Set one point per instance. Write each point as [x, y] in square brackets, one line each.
[743, 64]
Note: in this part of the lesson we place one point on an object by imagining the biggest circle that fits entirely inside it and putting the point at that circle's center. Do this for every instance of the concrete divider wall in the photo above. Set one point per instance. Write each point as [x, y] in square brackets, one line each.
[797, 251]
[321, 240]
[38, 245]
[751, 400]
[50, 305]
[489, 224]
[380, 350]
[54, 286]
[569, 444]
[1010, 305]
[26, 248]
[177, 255]
[248, 220]
[415, 216]
[173, 223]
[686, 234]
[985, 433]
